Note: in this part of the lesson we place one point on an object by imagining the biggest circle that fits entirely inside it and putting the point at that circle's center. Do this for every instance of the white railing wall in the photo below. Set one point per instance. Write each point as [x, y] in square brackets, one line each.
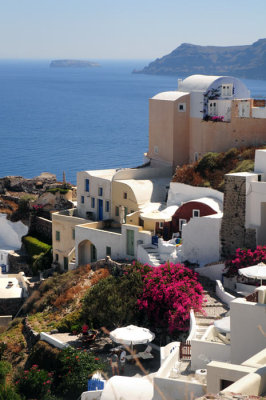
[222, 294]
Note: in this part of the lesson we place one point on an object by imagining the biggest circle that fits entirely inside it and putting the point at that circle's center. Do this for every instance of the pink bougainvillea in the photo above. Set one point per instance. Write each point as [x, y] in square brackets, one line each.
[170, 292]
[245, 258]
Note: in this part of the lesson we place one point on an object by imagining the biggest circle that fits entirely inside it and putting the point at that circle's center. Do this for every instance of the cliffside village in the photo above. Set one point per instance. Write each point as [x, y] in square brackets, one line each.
[141, 214]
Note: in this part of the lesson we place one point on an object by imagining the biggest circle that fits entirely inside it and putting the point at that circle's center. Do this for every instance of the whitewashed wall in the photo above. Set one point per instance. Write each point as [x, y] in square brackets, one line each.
[201, 239]
[139, 236]
[248, 327]
[101, 239]
[11, 233]
[213, 272]
[202, 352]
[177, 389]
[95, 183]
[222, 294]
[180, 193]
[258, 112]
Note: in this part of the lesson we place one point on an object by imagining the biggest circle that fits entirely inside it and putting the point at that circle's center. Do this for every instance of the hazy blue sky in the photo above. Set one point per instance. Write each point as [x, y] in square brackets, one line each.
[124, 29]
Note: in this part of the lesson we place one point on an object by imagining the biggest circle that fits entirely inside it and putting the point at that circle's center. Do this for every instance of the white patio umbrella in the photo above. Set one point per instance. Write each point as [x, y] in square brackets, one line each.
[254, 271]
[131, 335]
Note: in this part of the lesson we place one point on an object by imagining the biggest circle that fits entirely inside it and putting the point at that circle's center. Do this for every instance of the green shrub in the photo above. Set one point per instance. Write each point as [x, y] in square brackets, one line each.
[209, 161]
[244, 166]
[3, 348]
[34, 383]
[45, 356]
[5, 368]
[73, 318]
[42, 261]
[113, 301]
[7, 392]
[76, 367]
[55, 190]
[35, 246]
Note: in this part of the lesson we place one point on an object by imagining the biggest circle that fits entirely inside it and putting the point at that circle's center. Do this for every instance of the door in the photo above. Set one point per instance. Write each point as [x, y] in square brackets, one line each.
[100, 209]
[130, 242]
[93, 253]
[65, 263]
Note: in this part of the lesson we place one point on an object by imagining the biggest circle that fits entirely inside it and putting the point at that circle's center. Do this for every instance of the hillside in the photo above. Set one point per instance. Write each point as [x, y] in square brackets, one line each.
[209, 171]
[248, 61]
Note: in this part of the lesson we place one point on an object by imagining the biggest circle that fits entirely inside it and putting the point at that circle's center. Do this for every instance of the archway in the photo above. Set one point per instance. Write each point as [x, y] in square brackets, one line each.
[87, 252]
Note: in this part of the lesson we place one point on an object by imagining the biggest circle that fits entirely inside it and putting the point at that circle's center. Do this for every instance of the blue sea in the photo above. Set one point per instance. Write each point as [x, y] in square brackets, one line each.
[64, 119]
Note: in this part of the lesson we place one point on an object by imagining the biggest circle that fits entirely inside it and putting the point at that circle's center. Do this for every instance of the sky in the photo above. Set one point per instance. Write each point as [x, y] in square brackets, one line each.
[123, 29]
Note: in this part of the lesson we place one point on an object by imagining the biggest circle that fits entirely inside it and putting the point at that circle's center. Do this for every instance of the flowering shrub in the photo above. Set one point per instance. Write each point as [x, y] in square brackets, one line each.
[34, 383]
[245, 258]
[170, 292]
[76, 367]
[217, 118]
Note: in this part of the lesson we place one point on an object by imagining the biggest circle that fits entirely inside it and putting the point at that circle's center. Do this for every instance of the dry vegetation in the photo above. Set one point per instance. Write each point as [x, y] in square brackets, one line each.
[209, 171]
[56, 299]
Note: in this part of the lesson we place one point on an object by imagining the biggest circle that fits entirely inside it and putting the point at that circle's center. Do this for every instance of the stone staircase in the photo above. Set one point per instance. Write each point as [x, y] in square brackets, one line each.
[213, 308]
[153, 254]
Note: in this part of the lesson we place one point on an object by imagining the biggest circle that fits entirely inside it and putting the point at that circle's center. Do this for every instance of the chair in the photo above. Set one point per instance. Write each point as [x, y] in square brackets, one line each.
[148, 349]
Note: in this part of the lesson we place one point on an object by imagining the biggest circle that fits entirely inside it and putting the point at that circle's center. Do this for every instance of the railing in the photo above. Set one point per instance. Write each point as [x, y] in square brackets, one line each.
[185, 350]
[71, 255]
[253, 297]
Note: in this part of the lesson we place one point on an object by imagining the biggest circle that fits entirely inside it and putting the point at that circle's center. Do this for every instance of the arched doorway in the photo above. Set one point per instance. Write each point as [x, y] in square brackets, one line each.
[87, 252]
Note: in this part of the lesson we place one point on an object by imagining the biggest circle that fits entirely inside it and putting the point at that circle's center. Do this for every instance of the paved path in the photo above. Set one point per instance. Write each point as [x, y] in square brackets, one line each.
[213, 308]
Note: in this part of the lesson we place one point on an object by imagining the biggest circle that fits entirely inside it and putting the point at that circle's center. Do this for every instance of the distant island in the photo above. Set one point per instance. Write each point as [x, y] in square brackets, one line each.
[248, 61]
[73, 64]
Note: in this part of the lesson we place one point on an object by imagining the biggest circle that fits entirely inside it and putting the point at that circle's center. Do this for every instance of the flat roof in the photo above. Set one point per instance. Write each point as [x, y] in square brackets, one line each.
[8, 291]
[103, 173]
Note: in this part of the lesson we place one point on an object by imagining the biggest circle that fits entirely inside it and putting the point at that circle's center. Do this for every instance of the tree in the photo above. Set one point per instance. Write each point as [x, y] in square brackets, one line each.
[113, 301]
[170, 292]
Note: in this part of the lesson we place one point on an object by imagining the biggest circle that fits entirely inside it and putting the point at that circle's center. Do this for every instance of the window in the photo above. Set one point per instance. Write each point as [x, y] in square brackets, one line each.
[195, 213]
[107, 206]
[73, 234]
[196, 156]
[160, 225]
[57, 236]
[125, 195]
[156, 149]
[108, 251]
[87, 185]
[82, 199]
[92, 202]
[117, 211]
[182, 107]
[65, 263]
[181, 223]
[100, 191]
[212, 108]
[126, 211]
[56, 257]
[227, 90]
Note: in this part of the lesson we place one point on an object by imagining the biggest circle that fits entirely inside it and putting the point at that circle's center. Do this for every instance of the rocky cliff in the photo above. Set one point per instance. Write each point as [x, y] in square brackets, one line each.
[247, 61]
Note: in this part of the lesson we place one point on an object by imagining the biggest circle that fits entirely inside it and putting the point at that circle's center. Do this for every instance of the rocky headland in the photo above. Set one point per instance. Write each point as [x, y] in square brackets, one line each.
[248, 61]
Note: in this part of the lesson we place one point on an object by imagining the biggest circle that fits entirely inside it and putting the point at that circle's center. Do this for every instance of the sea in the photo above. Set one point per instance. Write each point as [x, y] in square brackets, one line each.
[74, 119]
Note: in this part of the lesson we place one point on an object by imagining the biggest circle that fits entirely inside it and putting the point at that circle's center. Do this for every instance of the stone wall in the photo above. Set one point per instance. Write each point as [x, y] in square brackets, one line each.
[30, 335]
[17, 263]
[41, 227]
[233, 231]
